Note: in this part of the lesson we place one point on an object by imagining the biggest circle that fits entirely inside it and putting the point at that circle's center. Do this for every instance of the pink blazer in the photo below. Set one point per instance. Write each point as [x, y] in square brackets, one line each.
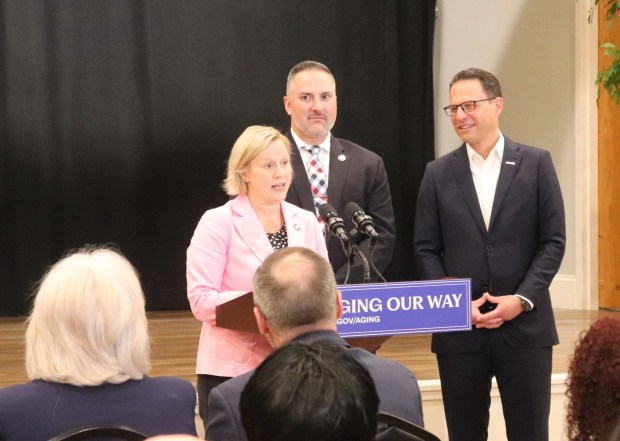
[228, 245]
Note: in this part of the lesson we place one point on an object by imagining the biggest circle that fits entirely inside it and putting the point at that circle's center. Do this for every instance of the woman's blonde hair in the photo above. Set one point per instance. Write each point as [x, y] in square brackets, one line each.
[250, 144]
[88, 325]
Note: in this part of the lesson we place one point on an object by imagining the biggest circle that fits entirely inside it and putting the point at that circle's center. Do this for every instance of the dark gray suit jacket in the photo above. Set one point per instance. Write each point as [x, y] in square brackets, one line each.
[355, 175]
[520, 253]
[396, 386]
[39, 410]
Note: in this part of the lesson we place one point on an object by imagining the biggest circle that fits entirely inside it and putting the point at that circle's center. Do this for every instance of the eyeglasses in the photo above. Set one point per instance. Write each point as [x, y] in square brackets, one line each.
[467, 106]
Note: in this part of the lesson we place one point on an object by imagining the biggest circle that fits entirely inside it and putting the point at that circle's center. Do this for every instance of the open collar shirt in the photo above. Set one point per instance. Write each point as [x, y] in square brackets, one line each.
[485, 173]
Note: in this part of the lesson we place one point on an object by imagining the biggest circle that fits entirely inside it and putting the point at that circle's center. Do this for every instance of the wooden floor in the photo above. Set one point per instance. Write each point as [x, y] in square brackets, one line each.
[175, 334]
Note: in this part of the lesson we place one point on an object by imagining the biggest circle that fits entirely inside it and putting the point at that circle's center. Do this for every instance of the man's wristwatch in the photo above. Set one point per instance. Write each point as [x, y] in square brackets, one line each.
[525, 305]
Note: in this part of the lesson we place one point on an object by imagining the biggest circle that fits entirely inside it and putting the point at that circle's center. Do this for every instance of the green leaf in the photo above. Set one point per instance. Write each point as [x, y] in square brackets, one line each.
[609, 79]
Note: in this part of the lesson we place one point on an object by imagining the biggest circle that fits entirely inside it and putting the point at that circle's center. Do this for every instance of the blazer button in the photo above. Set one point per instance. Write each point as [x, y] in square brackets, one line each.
[485, 287]
[490, 248]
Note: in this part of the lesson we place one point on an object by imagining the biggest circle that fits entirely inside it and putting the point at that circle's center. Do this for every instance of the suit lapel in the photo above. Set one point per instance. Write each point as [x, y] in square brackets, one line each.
[249, 227]
[338, 168]
[299, 193]
[510, 165]
[294, 226]
[462, 171]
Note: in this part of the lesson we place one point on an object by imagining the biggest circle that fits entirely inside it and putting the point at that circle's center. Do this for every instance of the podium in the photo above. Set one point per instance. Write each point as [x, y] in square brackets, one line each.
[374, 312]
[238, 315]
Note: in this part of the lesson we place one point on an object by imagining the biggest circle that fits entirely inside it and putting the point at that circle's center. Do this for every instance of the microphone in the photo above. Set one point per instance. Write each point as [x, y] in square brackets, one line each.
[360, 219]
[334, 224]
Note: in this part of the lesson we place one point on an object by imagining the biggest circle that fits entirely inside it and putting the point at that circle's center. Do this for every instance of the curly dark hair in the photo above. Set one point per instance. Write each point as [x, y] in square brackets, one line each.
[593, 382]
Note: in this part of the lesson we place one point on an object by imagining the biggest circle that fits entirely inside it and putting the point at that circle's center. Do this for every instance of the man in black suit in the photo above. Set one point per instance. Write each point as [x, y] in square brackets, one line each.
[352, 173]
[297, 300]
[492, 211]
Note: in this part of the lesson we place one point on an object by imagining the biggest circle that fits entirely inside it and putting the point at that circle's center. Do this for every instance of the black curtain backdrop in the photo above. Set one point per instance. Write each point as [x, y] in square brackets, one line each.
[117, 116]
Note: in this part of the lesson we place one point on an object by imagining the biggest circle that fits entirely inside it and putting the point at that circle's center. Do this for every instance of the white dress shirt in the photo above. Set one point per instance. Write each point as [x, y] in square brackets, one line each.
[485, 173]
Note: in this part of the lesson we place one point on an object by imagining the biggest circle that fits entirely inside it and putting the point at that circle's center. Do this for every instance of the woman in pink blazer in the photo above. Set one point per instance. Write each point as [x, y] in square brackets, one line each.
[231, 241]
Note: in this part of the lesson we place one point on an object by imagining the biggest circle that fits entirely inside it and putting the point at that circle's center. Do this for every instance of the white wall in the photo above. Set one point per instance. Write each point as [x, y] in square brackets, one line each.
[530, 46]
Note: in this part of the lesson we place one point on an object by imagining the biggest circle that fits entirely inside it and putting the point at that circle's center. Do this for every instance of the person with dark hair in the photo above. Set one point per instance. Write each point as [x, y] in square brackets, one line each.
[87, 356]
[297, 300]
[593, 382]
[232, 240]
[334, 170]
[308, 392]
[492, 211]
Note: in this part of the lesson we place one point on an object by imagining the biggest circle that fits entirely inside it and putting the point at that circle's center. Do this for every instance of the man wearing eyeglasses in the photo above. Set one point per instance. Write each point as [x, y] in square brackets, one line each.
[492, 211]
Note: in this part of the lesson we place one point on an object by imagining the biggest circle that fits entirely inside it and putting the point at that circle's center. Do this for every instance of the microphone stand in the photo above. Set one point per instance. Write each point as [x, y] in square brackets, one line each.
[356, 251]
[367, 263]
[346, 248]
[371, 247]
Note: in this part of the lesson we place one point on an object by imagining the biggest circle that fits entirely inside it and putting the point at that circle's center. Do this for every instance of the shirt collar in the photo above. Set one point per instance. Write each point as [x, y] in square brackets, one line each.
[497, 151]
[300, 144]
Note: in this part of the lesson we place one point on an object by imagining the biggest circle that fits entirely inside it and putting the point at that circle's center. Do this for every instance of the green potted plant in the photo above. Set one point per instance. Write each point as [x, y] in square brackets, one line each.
[609, 79]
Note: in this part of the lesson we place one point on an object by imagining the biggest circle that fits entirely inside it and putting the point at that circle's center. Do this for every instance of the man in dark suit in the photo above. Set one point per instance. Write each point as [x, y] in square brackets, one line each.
[297, 300]
[492, 211]
[351, 173]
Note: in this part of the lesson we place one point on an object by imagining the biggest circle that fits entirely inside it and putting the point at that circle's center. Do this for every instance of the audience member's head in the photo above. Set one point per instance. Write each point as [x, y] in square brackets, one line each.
[294, 293]
[88, 325]
[309, 392]
[593, 382]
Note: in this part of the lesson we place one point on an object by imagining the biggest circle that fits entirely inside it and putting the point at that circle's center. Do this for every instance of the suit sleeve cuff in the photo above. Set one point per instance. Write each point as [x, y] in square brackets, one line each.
[526, 299]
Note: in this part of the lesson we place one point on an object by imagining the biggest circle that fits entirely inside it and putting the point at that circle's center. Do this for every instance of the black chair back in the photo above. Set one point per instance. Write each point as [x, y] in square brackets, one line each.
[393, 428]
[111, 431]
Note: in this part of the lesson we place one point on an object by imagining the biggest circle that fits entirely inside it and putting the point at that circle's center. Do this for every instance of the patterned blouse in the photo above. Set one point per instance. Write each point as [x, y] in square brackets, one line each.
[279, 239]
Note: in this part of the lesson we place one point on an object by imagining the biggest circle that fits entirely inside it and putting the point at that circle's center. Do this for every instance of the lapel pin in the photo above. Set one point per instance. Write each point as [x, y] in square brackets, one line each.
[510, 162]
[342, 158]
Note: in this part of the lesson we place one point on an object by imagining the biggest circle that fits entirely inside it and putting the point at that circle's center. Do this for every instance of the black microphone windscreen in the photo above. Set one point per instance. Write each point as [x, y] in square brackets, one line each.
[325, 208]
[351, 208]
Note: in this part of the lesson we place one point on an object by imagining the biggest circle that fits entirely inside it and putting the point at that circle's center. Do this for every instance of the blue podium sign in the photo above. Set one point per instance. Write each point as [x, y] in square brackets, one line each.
[376, 309]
